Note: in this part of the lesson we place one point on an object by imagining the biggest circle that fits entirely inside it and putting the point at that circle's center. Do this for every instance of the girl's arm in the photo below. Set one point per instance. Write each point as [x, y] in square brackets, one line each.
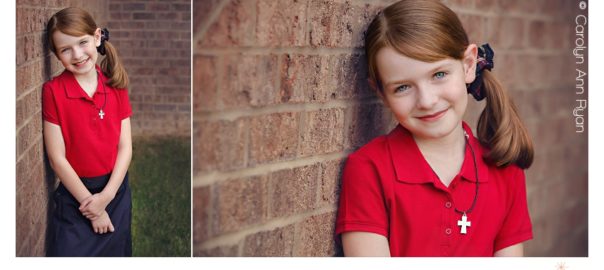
[95, 205]
[516, 250]
[55, 147]
[365, 244]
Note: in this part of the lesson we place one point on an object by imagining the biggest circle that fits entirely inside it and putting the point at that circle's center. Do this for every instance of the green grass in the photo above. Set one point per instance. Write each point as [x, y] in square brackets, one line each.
[160, 179]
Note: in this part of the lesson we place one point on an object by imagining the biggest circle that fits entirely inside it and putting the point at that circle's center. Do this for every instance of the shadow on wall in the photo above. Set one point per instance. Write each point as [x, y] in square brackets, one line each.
[369, 117]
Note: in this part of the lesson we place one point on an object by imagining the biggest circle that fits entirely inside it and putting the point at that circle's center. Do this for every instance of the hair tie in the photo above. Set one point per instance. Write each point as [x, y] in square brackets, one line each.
[485, 61]
[104, 37]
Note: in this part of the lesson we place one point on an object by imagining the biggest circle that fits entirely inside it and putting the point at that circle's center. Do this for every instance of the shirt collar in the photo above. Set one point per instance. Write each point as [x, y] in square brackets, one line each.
[411, 166]
[74, 90]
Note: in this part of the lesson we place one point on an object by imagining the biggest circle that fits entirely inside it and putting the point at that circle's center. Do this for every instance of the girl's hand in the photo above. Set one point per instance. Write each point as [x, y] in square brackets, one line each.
[93, 206]
[102, 224]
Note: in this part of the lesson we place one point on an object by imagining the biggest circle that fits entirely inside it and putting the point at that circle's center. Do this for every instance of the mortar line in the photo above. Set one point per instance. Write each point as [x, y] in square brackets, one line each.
[235, 237]
[210, 178]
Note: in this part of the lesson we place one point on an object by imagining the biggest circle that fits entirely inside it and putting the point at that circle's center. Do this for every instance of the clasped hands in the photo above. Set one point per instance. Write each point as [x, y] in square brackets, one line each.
[93, 208]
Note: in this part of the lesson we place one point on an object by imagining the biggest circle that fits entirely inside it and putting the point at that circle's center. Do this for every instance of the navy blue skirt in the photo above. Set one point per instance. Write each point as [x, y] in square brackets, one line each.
[71, 233]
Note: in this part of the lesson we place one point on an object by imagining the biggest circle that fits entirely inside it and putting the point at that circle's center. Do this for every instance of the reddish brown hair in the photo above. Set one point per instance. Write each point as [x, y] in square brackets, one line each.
[77, 22]
[427, 30]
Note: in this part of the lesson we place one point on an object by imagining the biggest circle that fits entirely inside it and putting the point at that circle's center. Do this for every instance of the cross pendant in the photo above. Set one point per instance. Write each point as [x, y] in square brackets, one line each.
[464, 223]
[101, 113]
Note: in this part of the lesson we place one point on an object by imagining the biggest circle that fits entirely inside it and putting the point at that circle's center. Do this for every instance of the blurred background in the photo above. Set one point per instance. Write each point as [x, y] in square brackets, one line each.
[280, 99]
[153, 41]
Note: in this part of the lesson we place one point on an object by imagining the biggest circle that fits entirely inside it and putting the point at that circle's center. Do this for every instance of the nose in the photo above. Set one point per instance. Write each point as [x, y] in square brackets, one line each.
[77, 53]
[427, 97]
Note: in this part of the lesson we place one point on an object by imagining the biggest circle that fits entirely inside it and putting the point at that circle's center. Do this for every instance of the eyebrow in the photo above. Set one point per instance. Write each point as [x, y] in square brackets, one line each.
[432, 71]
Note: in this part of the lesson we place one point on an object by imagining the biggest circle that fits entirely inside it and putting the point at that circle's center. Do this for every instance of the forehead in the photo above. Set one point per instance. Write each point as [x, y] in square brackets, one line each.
[395, 66]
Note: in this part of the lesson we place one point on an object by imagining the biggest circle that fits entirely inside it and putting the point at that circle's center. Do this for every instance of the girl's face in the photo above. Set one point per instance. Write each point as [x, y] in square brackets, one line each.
[428, 99]
[77, 54]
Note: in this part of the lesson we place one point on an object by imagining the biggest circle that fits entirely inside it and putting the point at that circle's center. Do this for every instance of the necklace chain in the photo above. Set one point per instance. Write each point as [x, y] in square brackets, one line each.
[101, 112]
[466, 136]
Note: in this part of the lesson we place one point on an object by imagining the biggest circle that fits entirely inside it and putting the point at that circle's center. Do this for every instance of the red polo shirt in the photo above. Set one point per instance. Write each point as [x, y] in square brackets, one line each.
[90, 142]
[388, 188]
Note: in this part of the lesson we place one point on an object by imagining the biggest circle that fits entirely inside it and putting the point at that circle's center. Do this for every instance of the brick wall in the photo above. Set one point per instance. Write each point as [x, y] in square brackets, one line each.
[280, 100]
[154, 42]
[35, 65]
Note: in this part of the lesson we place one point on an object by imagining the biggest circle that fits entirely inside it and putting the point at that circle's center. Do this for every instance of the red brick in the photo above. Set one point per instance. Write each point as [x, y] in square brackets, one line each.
[134, 6]
[315, 236]
[235, 26]
[204, 83]
[29, 106]
[219, 145]
[322, 132]
[527, 7]
[273, 137]
[351, 75]
[460, 3]
[344, 30]
[274, 243]
[28, 76]
[239, 203]
[167, 16]
[281, 23]
[158, 6]
[367, 122]
[538, 37]
[475, 27]
[307, 78]
[222, 251]
[202, 209]
[201, 13]
[27, 134]
[505, 33]
[487, 5]
[293, 190]
[249, 80]
[329, 185]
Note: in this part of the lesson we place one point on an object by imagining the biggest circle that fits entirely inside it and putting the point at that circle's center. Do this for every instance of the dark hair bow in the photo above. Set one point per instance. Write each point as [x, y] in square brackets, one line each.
[104, 37]
[485, 61]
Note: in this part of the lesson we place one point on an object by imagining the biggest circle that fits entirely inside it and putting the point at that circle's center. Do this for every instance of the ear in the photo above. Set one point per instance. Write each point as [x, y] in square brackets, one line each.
[374, 86]
[97, 37]
[469, 63]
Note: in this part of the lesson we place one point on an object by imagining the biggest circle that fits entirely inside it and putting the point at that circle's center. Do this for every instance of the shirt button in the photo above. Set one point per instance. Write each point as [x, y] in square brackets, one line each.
[448, 204]
[448, 231]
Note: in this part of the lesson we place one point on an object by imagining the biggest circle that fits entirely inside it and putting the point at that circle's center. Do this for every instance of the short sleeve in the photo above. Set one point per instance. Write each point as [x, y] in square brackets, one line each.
[516, 227]
[125, 108]
[49, 105]
[362, 203]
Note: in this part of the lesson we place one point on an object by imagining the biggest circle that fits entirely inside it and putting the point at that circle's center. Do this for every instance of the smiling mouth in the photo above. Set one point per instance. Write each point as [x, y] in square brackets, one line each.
[81, 62]
[434, 116]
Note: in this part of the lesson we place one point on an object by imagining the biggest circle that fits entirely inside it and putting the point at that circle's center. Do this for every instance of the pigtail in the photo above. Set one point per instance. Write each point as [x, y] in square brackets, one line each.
[113, 68]
[500, 127]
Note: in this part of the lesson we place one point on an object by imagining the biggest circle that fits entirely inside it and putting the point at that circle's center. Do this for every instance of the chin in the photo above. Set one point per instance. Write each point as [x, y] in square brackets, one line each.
[432, 131]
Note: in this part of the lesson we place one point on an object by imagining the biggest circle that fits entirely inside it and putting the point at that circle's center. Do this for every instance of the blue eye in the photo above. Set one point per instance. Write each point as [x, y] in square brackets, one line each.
[440, 74]
[401, 88]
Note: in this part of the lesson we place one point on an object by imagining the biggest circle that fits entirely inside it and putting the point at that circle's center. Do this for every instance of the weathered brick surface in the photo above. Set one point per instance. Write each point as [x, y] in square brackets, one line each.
[293, 190]
[273, 137]
[273, 243]
[289, 79]
[239, 202]
[314, 236]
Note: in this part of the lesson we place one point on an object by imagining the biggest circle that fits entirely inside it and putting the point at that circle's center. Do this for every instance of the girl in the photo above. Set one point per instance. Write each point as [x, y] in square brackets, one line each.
[429, 187]
[87, 136]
